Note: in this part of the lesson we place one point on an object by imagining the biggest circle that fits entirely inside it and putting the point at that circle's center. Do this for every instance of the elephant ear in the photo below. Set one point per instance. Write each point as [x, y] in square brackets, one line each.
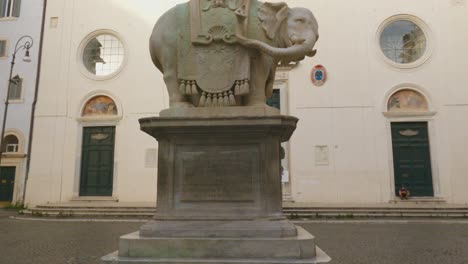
[272, 15]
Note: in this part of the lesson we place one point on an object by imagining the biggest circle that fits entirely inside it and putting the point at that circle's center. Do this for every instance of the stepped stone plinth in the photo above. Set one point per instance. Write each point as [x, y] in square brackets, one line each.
[219, 195]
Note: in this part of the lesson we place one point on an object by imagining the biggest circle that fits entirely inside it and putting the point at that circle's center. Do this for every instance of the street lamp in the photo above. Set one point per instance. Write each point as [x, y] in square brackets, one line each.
[24, 43]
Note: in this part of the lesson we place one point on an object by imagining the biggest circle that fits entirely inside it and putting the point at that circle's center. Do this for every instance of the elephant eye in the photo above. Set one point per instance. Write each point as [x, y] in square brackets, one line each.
[300, 20]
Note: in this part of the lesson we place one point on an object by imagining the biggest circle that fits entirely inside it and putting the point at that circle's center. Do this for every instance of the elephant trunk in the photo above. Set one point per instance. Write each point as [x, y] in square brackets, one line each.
[293, 53]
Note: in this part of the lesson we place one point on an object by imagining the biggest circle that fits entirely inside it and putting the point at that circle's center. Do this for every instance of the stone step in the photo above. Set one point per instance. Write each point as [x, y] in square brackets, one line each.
[323, 213]
[285, 210]
[378, 215]
[301, 246]
[87, 214]
[411, 209]
[298, 209]
[293, 213]
[94, 207]
[376, 210]
[112, 210]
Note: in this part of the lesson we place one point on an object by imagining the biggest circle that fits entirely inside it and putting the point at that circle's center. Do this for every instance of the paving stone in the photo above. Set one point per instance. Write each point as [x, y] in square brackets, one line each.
[46, 242]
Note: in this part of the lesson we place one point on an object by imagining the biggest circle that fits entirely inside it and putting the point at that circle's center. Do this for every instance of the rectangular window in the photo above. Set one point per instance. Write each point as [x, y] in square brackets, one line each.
[10, 8]
[3, 44]
[16, 88]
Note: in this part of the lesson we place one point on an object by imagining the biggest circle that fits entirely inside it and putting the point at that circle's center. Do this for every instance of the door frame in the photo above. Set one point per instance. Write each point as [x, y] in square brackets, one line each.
[78, 159]
[429, 161]
[113, 165]
[104, 121]
[396, 117]
[15, 160]
[14, 184]
[433, 150]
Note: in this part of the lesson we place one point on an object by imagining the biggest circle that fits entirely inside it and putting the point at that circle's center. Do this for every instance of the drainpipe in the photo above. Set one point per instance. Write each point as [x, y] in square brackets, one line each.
[33, 108]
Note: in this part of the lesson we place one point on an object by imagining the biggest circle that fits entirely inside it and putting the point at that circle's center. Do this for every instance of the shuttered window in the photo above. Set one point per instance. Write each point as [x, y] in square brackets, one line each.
[3, 44]
[3, 4]
[16, 8]
[10, 8]
[16, 88]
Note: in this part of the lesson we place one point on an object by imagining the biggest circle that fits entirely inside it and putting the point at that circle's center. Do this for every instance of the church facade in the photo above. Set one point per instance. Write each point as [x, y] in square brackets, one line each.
[382, 105]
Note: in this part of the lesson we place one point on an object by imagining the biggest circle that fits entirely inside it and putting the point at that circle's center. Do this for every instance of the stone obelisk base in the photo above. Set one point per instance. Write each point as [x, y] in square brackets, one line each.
[219, 192]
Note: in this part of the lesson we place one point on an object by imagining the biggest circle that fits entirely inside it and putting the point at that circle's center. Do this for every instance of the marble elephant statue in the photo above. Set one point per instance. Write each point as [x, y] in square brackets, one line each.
[218, 53]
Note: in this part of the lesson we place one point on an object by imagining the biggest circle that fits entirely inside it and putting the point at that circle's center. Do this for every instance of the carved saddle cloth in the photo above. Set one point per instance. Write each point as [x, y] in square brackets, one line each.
[209, 62]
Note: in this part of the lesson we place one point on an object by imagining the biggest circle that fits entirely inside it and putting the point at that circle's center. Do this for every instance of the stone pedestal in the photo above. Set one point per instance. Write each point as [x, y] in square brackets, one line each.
[219, 193]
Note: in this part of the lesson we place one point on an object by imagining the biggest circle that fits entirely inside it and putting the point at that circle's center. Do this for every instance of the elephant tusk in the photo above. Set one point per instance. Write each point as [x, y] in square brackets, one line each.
[249, 43]
[312, 53]
[291, 53]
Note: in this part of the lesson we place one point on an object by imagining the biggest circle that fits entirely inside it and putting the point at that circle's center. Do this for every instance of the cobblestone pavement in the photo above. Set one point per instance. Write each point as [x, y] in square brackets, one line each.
[45, 242]
[385, 243]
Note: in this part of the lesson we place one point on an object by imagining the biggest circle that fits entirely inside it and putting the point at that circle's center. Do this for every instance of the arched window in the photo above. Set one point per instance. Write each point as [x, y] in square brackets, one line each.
[100, 106]
[407, 100]
[10, 144]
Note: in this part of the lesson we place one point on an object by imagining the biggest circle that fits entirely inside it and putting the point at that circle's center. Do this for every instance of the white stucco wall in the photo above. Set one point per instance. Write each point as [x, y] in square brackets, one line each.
[346, 114]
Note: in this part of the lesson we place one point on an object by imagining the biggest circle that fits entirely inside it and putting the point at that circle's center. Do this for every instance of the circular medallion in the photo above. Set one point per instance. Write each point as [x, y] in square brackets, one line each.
[319, 75]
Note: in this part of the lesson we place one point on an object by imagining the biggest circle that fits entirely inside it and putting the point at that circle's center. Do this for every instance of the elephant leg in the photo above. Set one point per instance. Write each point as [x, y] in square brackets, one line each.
[176, 99]
[163, 48]
[259, 74]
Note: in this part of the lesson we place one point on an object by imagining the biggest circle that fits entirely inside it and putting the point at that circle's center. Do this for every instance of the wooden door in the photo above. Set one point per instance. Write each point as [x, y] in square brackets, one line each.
[412, 159]
[7, 183]
[97, 161]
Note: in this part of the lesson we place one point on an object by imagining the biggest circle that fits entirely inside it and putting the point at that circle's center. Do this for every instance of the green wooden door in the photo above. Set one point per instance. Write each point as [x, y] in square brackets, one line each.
[412, 159]
[97, 161]
[7, 183]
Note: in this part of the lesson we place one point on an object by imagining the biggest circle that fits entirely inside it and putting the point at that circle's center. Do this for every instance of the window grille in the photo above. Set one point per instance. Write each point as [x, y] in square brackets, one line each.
[103, 55]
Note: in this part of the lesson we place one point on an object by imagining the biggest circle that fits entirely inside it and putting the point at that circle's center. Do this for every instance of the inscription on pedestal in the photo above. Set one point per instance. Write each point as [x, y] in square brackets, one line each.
[221, 174]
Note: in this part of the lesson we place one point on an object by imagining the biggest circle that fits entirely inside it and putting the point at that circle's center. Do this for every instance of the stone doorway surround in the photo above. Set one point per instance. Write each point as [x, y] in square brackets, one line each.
[84, 121]
[97, 172]
[16, 159]
[428, 114]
